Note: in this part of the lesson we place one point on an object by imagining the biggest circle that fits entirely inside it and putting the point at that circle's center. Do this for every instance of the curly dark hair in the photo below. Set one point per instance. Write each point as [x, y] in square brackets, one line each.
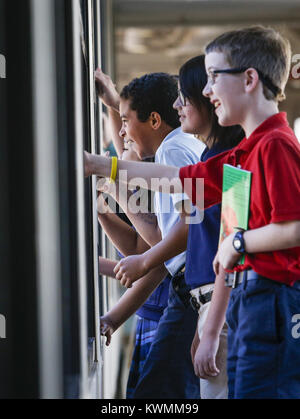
[192, 79]
[154, 92]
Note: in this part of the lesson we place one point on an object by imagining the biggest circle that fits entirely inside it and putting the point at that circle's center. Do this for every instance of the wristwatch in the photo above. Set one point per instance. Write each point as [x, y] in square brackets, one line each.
[238, 241]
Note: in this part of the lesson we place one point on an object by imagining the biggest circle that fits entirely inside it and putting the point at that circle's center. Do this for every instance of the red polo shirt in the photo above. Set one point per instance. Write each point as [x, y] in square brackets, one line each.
[272, 154]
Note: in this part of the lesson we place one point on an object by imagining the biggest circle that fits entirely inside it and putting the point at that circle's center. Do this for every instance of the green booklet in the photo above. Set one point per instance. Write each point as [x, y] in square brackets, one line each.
[235, 201]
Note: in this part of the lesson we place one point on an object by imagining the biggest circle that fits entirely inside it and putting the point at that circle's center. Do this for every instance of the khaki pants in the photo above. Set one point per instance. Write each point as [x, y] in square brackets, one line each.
[214, 387]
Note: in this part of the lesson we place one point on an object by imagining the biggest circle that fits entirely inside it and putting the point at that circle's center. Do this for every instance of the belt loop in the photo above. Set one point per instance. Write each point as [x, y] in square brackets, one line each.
[235, 277]
[244, 285]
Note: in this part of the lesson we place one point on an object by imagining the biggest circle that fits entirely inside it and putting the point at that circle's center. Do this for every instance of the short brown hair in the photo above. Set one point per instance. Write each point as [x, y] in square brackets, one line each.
[261, 48]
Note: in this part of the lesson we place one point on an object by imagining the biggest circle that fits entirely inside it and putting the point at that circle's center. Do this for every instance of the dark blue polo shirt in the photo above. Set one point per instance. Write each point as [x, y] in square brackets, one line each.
[203, 239]
[154, 307]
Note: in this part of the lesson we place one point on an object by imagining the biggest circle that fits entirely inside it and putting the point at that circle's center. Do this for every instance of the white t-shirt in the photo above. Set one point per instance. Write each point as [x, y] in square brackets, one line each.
[177, 149]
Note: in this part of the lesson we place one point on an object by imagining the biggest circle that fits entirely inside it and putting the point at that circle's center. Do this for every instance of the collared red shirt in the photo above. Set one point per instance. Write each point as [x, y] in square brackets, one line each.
[272, 154]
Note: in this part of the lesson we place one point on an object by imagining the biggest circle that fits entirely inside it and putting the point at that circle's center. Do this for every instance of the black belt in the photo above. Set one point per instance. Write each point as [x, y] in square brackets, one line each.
[202, 298]
[183, 291]
[236, 278]
[180, 286]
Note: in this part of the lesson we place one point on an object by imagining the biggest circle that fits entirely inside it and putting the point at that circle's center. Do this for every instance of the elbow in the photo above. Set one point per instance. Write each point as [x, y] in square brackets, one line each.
[156, 237]
[293, 233]
[153, 240]
[140, 246]
[297, 234]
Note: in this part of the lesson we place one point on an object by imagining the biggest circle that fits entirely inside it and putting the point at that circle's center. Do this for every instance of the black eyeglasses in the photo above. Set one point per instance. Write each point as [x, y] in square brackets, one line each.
[265, 79]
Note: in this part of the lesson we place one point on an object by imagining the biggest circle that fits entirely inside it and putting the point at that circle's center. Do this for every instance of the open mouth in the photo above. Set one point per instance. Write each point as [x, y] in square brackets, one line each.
[217, 104]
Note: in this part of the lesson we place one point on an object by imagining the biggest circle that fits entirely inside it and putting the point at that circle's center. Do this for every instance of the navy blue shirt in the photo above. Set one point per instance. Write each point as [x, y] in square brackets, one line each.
[203, 239]
[154, 307]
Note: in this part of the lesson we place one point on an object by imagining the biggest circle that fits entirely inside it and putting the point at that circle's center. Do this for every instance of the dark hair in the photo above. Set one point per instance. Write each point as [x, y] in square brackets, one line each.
[155, 92]
[192, 79]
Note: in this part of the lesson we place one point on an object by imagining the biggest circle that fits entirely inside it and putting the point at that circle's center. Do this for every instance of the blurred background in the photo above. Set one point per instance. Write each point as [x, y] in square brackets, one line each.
[156, 35]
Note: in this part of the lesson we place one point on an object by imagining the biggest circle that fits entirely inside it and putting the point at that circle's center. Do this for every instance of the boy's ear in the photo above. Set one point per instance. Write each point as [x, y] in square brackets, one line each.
[155, 120]
[252, 79]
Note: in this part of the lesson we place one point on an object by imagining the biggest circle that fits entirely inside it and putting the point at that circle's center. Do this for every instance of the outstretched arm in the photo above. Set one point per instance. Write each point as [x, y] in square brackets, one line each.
[115, 124]
[110, 98]
[107, 91]
[133, 299]
[130, 269]
[146, 175]
[124, 237]
[144, 222]
[106, 266]
[136, 207]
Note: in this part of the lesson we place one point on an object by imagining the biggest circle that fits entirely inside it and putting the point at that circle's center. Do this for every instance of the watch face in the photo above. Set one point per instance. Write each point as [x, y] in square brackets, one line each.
[237, 244]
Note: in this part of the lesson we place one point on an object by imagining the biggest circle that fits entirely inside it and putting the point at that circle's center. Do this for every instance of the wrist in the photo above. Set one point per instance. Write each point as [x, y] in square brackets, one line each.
[146, 261]
[111, 322]
[101, 205]
[100, 165]
[238, 242]
[211, 334]
[93, 165]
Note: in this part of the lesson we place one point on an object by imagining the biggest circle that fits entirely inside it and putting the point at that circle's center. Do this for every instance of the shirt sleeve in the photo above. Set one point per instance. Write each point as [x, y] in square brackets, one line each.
[211, 173]
[178, 158]
[282, 172]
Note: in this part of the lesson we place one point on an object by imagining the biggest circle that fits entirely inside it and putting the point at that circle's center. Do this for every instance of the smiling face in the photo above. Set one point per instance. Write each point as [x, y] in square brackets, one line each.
[140, 133]
[193, 120]
[128, 151]
[225, 91]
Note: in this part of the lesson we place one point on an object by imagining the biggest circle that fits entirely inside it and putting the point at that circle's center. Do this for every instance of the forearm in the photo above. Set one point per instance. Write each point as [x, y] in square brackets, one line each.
[217, 310]
[147, 227]
[106, 267]
[173, 244]
[135, 297]
[143, 221]
[115, 126]
[272, 237]
[148, 174]
[123, 237]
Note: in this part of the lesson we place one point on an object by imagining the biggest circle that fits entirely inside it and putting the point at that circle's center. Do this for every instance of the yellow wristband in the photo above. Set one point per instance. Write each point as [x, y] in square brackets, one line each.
[114, 166]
